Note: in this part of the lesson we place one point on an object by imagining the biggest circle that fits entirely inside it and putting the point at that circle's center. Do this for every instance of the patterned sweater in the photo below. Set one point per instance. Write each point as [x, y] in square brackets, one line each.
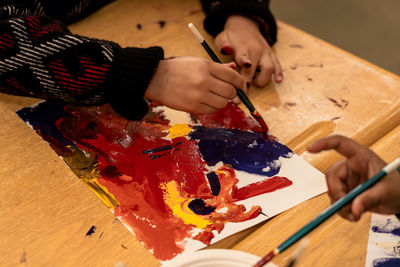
[40, 57]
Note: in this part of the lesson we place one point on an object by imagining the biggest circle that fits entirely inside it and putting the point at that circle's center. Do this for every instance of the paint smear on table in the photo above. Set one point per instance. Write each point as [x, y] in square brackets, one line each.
[178, 181]
[384, 241]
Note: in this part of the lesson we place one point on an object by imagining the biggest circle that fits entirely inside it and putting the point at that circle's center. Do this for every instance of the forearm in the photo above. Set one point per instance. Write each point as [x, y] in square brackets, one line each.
[40, 57]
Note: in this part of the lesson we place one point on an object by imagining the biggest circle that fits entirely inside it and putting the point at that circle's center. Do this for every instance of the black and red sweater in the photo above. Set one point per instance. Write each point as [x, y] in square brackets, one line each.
[40, 57]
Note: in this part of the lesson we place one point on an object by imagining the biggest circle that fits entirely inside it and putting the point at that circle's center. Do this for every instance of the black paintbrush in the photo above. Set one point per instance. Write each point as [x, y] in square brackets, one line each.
[241, 94]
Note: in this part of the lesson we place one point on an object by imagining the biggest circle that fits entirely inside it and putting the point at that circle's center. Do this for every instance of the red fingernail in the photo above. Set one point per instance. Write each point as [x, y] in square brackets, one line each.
[227, 50]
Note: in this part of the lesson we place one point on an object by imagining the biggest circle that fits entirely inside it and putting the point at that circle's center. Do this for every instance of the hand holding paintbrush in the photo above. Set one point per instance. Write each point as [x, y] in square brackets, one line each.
[360, 163]
[240, 93]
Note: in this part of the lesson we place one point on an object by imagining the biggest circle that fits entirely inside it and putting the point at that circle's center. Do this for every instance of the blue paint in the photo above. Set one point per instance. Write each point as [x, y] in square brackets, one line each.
[44, 117]
[213, 180]
[91, 230]
[245, 151]
[168, 148]
[386, 262]
[158, 149]
[199, 207]
[386, 229]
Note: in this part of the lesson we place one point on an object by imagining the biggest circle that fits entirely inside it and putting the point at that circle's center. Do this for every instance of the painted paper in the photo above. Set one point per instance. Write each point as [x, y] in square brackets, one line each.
[178, 181]
[384, 241]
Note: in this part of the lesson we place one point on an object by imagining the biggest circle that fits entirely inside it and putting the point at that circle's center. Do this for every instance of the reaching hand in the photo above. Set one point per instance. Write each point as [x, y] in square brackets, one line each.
[194, 85]
[359, 165]
[241, 38]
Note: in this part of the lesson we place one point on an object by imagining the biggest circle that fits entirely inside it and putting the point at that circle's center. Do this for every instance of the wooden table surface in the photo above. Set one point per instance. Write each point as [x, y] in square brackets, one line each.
[46, 211]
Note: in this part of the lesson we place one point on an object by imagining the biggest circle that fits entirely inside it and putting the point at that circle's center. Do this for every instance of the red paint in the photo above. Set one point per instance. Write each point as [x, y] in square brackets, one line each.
[137, 181]
[260, 120]
[265, 259]
[269, 185]
[230, 117]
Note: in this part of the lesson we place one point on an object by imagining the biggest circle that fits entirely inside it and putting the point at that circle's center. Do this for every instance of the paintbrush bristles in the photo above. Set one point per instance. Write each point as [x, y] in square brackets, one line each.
[296, 254]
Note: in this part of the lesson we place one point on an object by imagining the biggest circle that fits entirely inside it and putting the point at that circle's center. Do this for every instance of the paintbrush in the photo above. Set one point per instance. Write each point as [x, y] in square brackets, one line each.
[329, 212]
[240, 93]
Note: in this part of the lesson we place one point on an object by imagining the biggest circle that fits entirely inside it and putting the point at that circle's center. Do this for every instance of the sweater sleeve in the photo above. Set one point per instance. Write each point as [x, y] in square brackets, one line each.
[40, 57]
[217, 11]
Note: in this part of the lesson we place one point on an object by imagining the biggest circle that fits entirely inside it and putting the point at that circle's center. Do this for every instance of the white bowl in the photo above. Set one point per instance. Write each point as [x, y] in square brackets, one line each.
[215, 258]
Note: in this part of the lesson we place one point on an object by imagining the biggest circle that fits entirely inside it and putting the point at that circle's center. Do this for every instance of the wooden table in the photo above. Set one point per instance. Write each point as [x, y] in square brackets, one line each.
[46, 211]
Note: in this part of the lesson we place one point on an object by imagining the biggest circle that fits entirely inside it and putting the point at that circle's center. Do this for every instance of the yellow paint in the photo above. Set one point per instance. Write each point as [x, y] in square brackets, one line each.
[178, 130]
[86, 168]
[179, 206]
[101, 191]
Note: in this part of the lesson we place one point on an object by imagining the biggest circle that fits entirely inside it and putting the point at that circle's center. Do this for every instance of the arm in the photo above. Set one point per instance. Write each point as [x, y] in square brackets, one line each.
[40, 57]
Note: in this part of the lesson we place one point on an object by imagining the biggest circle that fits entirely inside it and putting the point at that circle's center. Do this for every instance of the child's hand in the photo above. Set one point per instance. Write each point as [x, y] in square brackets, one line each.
[241, 38]
[194, 85]
[359, 165]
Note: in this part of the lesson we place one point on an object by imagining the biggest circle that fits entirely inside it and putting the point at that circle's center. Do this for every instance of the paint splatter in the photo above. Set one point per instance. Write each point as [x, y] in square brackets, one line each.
[123, 246]
[23, 257]
[289, 104]
[293, 67]
[315, 65]
[91, 231]
[101, 235]
[341, 103]
[162, 23]
[296, 46]
[335, 118]
[139, 26]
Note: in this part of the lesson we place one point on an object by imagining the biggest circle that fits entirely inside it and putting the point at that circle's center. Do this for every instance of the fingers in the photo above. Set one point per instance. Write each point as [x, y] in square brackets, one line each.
[248, 60]
[278, 75]
[341, 144]
[223, 89]
[228, 75]
[267, 68]
[215, 101]
[204, 109]
[336, 180]
[365, 202]
[376, 199]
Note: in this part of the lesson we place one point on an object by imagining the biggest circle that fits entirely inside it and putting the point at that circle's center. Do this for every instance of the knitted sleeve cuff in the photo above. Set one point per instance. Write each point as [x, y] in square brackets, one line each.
[128, 78]
[218, 11]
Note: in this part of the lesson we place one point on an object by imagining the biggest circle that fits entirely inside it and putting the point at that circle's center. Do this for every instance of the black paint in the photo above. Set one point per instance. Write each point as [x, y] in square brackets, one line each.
[199, 207]
[91, 230]
[213, 180]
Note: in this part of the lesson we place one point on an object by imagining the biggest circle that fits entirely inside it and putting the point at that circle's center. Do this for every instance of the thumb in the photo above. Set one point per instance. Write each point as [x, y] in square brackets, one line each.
[367, 201]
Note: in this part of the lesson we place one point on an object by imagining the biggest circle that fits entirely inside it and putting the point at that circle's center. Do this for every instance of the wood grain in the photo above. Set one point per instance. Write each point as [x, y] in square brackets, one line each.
[46, 211]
